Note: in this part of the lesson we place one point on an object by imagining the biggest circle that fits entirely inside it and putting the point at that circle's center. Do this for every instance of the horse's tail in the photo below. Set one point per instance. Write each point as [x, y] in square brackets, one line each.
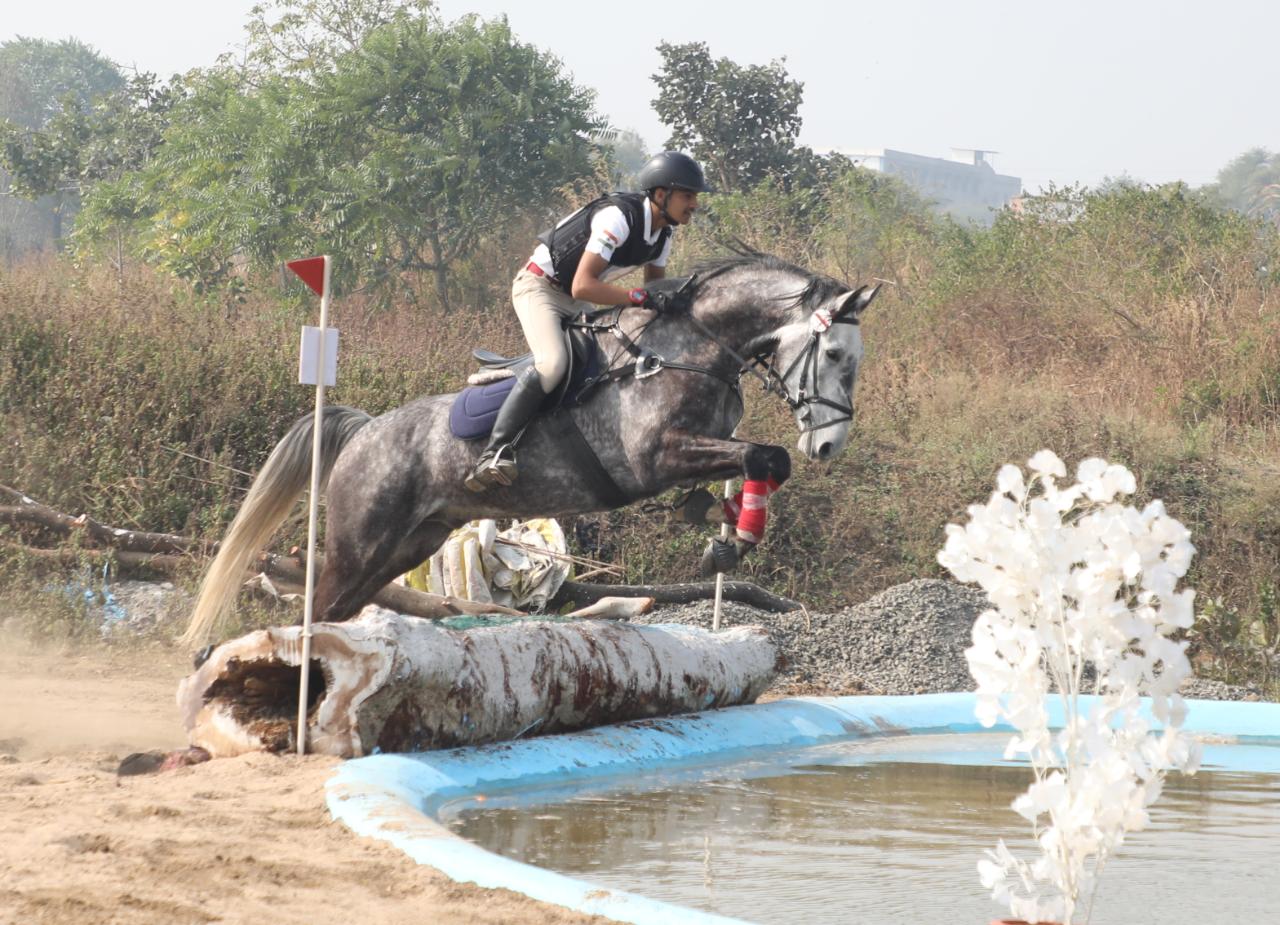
[283, 478]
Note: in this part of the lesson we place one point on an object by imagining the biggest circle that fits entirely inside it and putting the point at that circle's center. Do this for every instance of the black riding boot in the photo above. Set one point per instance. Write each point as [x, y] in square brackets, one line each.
[497, 465]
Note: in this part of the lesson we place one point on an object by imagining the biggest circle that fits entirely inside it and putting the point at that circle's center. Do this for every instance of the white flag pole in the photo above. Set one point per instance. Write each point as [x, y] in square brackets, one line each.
[724, 535]
[313, 515]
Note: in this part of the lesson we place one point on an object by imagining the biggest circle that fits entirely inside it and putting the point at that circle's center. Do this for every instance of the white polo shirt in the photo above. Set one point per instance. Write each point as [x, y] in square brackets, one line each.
[608, 230]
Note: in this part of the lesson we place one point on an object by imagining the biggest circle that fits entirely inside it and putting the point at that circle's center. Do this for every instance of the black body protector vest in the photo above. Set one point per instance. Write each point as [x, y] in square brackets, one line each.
[567, 242]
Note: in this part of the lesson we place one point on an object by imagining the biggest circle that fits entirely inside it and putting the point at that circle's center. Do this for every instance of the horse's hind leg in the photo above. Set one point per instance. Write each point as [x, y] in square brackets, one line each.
[352, 577]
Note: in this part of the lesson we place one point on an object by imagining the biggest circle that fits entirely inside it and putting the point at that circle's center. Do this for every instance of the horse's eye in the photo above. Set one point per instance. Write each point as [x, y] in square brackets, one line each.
[834, 353]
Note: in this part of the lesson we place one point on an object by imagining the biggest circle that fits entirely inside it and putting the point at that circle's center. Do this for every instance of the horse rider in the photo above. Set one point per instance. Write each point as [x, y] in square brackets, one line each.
[572, 266]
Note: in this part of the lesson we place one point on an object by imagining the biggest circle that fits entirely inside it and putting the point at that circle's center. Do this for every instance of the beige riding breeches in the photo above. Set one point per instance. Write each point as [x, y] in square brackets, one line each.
[540, 305]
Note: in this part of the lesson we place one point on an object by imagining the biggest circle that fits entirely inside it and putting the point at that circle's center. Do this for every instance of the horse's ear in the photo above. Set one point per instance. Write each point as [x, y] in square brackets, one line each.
[851, 305]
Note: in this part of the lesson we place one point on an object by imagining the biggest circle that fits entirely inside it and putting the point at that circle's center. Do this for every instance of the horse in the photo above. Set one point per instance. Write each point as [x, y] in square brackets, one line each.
[662, 414]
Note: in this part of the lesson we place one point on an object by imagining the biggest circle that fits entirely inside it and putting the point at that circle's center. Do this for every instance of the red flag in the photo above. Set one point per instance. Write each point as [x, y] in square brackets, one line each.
[310, 271]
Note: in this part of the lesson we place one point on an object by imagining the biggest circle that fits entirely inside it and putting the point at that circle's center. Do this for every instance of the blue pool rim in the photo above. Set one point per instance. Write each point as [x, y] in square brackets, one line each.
[397, 798]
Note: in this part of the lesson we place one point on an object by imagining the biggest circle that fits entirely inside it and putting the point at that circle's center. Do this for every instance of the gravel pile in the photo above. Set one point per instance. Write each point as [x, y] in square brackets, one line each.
[909, 639]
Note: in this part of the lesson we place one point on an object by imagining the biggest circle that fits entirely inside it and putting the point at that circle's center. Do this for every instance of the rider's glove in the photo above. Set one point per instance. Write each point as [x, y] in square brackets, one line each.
[657, 300]
[660, 301]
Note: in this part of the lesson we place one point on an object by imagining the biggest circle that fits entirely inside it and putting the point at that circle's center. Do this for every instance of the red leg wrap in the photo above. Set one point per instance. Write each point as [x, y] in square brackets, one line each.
[732, 510]
[755, 508]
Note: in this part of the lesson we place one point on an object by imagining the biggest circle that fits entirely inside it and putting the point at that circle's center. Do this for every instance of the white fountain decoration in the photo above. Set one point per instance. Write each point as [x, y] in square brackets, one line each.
[1075, 578]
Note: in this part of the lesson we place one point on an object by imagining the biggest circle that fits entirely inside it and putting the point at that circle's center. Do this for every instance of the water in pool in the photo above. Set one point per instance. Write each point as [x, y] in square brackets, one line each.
[889, 831]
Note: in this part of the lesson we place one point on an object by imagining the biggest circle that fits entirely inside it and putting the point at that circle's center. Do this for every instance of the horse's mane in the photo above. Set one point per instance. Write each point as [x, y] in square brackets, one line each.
[817, 288]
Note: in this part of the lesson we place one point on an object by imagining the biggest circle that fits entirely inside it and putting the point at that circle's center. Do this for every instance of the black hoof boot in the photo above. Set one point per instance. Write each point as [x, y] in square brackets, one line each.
[720, 556]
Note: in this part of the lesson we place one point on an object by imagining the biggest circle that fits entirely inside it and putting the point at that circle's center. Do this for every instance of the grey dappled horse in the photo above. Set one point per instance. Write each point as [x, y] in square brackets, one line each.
[395, 482]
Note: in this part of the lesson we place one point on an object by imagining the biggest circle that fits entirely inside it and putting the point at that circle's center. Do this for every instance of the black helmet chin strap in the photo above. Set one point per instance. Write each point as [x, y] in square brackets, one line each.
[662, 209]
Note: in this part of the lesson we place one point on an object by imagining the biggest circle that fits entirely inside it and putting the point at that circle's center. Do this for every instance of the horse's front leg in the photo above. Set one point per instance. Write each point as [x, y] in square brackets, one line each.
[763, 467]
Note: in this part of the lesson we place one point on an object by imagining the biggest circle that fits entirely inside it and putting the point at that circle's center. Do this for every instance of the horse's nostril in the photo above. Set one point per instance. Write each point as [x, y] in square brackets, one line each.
[825, 450]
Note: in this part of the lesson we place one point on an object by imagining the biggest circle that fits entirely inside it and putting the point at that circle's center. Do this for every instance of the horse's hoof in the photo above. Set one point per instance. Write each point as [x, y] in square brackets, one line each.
[719, 557]
[693, 509]
[202, 656]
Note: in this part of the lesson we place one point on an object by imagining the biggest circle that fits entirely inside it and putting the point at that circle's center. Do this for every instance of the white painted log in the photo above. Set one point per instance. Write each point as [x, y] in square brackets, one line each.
[406, 684]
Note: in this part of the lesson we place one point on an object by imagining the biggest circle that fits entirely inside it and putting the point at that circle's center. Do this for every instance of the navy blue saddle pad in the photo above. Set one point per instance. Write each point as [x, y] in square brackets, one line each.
[476, 408]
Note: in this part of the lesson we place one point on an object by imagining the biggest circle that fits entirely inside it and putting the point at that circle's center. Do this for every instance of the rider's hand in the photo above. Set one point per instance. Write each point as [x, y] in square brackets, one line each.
[659, 301]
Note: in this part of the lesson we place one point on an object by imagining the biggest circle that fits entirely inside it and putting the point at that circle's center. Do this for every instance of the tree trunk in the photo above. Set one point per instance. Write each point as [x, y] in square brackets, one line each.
[440, 270]
[400, 684]
[56, 215]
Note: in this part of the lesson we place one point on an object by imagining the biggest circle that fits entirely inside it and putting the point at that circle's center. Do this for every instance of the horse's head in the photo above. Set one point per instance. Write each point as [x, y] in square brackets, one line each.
[802, 326]
[817, 358]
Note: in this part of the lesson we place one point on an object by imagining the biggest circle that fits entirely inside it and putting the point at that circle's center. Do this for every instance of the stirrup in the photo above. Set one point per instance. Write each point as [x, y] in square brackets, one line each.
[498, 468]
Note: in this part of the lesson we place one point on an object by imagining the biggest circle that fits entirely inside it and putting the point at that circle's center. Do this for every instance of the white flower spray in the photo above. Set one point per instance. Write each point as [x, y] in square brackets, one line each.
[1076, 579]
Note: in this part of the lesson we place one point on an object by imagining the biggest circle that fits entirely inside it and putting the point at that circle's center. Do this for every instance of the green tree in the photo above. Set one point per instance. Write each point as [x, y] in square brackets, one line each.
[303, 37]
[82, 144]
[397, 158]
[228, 185]
[627, 154]
[36, 76]
[740, 122]
[1250, 184]
[103, 151]
[41, 80]
[449, 132]
[874, 225]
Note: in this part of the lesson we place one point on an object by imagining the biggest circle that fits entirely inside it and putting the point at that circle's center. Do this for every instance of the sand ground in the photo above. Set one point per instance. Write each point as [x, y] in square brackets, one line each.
[236, 840]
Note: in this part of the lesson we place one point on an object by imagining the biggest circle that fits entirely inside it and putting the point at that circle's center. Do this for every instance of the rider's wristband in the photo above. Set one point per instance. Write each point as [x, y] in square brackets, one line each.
[637, 296]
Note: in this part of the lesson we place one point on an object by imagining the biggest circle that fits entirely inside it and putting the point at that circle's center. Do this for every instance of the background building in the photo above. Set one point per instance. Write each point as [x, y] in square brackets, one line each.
[964, 185]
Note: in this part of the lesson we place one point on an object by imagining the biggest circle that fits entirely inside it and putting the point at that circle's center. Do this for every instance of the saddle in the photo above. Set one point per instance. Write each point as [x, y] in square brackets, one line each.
[473, 412]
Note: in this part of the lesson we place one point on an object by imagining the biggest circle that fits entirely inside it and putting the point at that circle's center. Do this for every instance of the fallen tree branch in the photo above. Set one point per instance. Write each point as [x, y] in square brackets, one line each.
[161, 563]
[579, 594]
[29, 511]
[403, 600]
[168, 554]
[283, 569]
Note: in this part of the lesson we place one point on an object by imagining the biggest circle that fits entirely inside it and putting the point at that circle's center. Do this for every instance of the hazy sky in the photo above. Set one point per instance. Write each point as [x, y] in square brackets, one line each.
[1064, 91]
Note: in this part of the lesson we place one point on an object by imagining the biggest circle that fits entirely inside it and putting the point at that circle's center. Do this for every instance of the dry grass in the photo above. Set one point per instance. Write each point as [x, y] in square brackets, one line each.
[1148, 337]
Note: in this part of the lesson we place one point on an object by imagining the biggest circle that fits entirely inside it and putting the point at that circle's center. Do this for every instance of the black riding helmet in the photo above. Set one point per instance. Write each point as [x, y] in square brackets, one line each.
[674, 170]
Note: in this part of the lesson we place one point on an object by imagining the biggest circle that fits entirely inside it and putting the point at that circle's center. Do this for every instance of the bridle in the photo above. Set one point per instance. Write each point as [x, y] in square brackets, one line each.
[805, 397]
[820, 322]
[648, 363]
